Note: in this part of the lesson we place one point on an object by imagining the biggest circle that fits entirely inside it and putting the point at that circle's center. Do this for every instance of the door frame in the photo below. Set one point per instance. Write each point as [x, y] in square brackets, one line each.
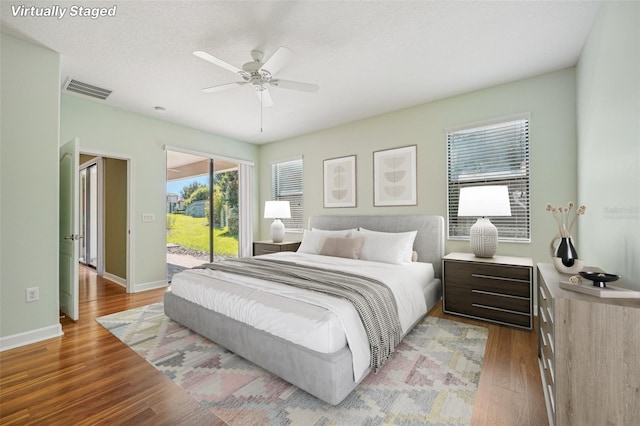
[130, 240]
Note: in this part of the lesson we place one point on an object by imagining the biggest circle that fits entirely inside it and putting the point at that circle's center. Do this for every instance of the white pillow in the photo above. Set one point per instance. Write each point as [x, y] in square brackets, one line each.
[387, 247]
[312, 241]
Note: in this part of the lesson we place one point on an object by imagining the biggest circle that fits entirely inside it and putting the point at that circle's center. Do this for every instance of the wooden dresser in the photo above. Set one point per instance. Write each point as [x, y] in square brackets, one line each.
[589, 354]
[497, 289]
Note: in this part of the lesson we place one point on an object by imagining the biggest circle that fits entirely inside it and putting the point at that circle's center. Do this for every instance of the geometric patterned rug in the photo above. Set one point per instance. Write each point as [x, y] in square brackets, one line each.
[431, 378]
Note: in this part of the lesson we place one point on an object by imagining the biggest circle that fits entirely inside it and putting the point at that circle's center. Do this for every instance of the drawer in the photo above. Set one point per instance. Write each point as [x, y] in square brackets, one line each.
[544, 322]
[481, 297]
[260, 248]
[547, 351]
[503, 309]
[511, 280]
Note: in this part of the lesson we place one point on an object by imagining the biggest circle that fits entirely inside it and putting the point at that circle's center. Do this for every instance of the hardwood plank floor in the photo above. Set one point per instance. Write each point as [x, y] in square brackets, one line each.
[89, 377]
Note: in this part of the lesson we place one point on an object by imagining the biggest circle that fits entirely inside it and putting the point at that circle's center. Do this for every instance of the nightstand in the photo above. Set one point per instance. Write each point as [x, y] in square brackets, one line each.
[497, 289]
[266, 247]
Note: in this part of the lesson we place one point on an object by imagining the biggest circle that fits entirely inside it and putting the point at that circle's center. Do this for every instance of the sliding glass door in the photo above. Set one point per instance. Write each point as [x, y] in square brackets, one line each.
[202, 210]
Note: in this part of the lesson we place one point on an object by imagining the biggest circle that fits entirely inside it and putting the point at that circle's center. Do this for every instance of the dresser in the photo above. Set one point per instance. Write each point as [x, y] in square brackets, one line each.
[497, 289]
[266, 247]
[589, 354]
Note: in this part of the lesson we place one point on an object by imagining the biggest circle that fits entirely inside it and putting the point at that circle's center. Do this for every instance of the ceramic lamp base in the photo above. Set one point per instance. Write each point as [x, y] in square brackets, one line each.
[277, 231]
[483, 238]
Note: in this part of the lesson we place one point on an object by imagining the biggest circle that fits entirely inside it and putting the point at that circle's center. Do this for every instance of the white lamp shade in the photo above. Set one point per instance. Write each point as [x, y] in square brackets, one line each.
[277, 210]
[482, 201]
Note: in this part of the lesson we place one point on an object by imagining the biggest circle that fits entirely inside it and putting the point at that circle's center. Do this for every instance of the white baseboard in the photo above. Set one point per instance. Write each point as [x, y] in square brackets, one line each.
[116, 279]
[150, 286]
[28, 337]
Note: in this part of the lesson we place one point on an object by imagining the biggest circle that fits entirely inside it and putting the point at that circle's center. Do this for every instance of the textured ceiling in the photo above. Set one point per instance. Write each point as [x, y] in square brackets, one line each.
[368, 57]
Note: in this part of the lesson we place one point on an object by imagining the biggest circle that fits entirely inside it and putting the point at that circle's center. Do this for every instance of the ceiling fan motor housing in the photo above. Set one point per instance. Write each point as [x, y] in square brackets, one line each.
[253, 72]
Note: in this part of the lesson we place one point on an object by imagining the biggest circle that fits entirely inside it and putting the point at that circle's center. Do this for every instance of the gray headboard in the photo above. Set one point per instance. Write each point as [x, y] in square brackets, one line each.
[429, 241]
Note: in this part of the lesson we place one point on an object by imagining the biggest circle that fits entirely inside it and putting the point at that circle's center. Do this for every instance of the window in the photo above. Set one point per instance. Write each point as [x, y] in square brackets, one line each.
[286, 185]
[492, 154]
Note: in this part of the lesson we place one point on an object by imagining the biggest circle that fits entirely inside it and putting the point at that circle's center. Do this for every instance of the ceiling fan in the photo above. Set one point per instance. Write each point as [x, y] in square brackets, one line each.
[259, 74]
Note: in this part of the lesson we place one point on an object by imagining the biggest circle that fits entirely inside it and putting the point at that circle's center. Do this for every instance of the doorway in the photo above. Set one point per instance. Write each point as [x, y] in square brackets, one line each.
[103, 216]
[202, 210]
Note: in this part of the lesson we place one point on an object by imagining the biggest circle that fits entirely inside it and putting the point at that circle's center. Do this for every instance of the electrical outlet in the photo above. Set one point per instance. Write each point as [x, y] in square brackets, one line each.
[33, 294]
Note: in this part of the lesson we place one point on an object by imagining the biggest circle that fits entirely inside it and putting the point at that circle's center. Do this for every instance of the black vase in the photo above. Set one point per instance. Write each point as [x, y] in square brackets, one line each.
[566, 251]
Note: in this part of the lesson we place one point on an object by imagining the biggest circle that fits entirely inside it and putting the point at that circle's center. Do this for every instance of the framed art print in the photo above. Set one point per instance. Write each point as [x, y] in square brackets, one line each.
[394, 175]
[340, 182]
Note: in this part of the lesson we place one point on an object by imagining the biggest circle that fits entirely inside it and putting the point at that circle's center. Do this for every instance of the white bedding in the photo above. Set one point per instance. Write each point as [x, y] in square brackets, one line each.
[316, 321]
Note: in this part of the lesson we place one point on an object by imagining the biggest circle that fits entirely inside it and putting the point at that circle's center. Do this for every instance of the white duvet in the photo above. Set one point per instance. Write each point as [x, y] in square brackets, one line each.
[316, 321]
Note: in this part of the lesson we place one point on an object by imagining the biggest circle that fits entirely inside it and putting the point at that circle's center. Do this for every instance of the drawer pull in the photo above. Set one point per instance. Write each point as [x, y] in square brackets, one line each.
[493, 308]
[491, 277]
[550, 314]
[543, 294]
[544, 317]
[550, 342]
[544, 340]
[491, 293]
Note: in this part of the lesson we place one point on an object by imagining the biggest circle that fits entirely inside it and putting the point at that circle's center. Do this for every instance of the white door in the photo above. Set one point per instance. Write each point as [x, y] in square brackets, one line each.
[69, 193]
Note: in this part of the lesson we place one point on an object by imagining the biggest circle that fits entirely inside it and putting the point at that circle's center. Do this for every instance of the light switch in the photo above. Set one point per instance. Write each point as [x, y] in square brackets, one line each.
[148, 217]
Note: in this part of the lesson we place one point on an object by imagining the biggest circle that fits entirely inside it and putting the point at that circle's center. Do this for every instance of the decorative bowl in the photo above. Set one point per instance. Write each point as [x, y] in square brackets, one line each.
[600, 279]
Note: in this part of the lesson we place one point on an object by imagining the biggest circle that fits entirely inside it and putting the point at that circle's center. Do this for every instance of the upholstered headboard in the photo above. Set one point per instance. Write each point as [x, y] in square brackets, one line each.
[429, 243]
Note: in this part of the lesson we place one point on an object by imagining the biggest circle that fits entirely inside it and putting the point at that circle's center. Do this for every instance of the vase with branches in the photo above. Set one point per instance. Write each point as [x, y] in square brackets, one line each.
[564, 254]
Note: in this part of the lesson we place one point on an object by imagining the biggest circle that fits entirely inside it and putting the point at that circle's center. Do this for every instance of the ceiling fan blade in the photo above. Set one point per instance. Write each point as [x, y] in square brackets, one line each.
[216, 61]
[222, 87]
[264, 97]
[278, 60]
[295, 85]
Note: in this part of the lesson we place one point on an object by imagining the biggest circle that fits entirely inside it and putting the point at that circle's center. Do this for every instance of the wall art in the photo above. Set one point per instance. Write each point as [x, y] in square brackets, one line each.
[340, 182]
[394, 174]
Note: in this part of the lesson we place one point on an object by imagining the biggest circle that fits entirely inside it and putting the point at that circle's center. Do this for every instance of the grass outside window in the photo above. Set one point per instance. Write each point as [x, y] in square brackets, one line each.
[193, 233]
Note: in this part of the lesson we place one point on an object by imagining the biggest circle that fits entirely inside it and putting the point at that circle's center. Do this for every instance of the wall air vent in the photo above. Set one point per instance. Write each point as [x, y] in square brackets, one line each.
[76, 86]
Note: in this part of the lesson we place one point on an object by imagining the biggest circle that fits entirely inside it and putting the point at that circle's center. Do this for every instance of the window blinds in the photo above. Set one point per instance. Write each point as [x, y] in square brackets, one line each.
[496, 154]
[286, 185]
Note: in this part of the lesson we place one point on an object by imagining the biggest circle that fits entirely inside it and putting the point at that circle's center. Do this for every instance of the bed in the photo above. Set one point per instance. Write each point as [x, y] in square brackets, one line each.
[325, 367]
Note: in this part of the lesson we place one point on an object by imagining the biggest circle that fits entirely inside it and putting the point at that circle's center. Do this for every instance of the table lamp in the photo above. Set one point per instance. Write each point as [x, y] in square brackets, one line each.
[277, 210]
[484, 201]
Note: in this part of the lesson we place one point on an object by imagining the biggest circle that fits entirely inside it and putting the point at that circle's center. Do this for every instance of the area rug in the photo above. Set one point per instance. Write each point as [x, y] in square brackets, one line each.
[431, 379]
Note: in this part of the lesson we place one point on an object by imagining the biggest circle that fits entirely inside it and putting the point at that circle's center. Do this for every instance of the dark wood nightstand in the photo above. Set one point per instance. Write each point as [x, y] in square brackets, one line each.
[266, 247]
[497, 289]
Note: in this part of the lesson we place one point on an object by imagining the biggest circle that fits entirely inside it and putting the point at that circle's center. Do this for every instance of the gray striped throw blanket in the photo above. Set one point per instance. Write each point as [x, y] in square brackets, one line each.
[372, 299]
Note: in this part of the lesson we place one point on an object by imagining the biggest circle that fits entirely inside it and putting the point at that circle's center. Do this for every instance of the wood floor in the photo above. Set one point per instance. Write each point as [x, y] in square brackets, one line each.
[89, 377]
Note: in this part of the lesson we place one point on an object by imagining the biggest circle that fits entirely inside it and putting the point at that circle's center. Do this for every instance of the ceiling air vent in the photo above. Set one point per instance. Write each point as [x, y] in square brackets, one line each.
[85, 89]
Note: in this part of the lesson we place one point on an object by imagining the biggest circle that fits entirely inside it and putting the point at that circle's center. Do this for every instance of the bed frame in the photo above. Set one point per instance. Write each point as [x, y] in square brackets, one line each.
[328, 377]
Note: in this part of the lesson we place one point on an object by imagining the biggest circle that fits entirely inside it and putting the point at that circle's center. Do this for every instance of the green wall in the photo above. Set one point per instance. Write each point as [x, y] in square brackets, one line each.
[30, 101]
[113, 132]
[608, 81]
[551, 100]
